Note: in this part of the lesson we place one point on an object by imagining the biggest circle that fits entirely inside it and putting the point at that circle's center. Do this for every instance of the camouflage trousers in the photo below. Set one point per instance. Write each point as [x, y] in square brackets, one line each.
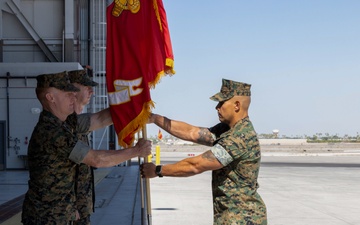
[235, 218]
[82, 221]
[34, 220]
[43, 221]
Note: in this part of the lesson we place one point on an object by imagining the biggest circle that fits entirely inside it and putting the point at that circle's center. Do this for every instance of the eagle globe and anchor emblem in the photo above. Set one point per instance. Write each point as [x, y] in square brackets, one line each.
[121, 5]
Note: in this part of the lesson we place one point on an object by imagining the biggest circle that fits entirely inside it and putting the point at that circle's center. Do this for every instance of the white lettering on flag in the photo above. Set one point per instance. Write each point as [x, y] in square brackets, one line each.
[124, 90]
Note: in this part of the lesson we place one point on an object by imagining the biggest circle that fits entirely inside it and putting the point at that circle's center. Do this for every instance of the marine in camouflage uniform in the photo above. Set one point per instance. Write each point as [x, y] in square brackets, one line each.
[53, 154]
[234, 157]
[234, 186]
[55, 151]
[85, 188]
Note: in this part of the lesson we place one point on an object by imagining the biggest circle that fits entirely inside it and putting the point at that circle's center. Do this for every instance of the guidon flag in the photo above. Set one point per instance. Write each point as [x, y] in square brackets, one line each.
[138, 55]
[159, 135]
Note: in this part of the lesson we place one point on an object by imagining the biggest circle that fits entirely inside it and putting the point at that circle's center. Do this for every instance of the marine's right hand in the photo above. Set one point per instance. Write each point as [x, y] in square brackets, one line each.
[144, 147]
[151, 118]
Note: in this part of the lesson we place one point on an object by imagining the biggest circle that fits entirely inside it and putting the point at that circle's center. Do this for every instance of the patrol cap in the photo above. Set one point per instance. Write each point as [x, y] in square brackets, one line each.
[230, 89]
[60, 81]
[81, 77]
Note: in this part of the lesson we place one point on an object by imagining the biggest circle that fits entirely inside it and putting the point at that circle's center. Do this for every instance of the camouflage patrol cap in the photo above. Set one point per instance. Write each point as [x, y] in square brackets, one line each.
[60, 81]
[230, 89]
[80, 76]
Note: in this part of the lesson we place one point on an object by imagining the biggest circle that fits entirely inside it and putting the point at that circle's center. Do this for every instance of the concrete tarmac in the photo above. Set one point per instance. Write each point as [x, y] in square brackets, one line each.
[298, 189]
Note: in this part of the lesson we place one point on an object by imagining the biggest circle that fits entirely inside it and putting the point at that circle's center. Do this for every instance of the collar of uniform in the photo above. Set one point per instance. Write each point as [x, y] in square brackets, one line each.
[51, 118]
[242, 121]
[71, 120]
[238, 125]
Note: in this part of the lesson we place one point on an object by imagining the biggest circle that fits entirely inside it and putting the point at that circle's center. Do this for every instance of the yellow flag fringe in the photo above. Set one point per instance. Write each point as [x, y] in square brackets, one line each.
[156, 8]
[136, 124]
[169, 63]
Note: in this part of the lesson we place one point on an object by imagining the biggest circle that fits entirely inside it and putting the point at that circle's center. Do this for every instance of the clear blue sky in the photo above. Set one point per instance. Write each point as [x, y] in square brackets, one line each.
[301, 57]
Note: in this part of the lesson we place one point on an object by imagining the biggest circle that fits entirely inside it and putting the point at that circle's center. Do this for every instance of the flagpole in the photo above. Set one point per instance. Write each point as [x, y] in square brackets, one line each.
[147, 186]
[143, 222]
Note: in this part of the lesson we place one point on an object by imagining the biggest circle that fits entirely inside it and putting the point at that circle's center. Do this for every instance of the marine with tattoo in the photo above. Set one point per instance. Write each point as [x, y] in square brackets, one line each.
[234, 157]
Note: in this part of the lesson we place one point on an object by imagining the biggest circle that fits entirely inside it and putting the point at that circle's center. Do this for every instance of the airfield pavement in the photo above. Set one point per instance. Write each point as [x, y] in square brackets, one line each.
[299, 188]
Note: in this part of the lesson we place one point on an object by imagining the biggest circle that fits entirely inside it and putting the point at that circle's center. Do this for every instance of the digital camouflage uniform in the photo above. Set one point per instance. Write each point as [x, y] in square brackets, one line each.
[85, 193]
[236, 201]
[51, 196]
[53, 154]
[84, 187]
[235, 197]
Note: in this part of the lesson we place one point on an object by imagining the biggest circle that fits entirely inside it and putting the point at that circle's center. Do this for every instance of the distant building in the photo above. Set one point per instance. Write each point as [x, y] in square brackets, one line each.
[282, 141]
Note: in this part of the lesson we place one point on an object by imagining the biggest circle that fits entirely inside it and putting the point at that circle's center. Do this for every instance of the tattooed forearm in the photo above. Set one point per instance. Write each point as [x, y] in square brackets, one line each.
[208, 155]
[205, 137]
[167, 124]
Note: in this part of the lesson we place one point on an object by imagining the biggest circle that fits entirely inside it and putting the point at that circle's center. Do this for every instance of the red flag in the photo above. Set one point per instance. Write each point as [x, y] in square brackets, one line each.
[138, 54]
[159, 135]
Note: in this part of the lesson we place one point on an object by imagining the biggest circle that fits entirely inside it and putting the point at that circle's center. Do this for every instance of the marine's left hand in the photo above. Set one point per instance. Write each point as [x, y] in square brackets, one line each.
[148, 170]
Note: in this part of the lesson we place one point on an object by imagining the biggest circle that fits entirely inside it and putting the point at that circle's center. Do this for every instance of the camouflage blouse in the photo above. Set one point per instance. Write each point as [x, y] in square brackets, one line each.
[235, 196]
[51, 195]
[85, 192]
